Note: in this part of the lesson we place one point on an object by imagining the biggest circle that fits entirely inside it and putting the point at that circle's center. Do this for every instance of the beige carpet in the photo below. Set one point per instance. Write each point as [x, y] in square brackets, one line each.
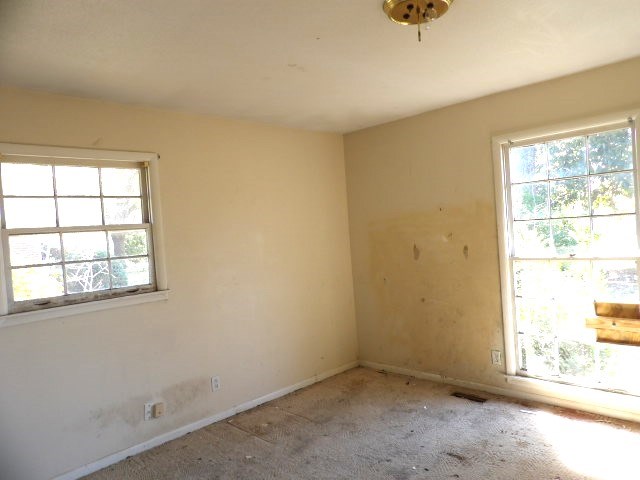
[364, 424]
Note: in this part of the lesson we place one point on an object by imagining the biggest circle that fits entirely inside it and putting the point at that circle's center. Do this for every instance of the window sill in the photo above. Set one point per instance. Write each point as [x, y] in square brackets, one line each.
[598, 401]
[80, 308]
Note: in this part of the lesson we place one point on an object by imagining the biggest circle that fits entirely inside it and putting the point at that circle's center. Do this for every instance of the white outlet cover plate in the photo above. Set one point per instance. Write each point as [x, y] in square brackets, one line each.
[215, 383]
[496, 357]
[148, 409]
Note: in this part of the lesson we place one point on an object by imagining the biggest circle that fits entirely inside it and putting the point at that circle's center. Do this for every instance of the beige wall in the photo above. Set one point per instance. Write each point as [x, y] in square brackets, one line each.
[423, 222]
[259, 269]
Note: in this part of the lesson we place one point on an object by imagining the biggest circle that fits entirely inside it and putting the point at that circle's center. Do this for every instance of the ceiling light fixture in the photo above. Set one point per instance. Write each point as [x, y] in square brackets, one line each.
[415, 12]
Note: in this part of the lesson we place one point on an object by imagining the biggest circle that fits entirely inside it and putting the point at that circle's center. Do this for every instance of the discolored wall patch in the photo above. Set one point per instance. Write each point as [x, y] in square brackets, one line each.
[436, 314]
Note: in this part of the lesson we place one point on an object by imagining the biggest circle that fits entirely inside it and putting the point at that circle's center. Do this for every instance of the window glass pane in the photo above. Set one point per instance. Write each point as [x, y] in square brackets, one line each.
[34, 249]
[26, 179]
[539, 355]
[614, 236]
[567, 157]
[532, 239]
[610, 151]
[130, 272]
[30, 212]
[570, 318]
[79, 212]
[619, 367]
[77, 181]
[37, 282]
[569, 198]
[576, 359]
[121, 182]
[528, 163]
[122, 211]
[530, 200]
[612, 193]
[531, 279]
[534, 317]
[570, 280]
[84, 245]
[571, 236]
[87, 276]
[616, 281]
[127, 243]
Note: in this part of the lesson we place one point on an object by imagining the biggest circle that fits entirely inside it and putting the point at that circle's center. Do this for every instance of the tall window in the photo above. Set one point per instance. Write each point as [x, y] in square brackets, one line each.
[571, 206]
[74, 230]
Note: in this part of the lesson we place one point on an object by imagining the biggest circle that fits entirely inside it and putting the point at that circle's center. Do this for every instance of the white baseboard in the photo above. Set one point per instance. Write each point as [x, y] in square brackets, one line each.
[615, 405]
[179, 432]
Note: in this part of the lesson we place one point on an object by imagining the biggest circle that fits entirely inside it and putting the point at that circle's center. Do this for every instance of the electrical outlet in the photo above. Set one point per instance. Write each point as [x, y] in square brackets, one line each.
[153, 410]
[148, 411]
[215, 383]
[496, 357]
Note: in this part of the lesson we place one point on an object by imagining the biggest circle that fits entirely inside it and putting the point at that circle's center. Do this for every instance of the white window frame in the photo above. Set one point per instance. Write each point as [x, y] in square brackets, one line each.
[600, 401]
[150, 195]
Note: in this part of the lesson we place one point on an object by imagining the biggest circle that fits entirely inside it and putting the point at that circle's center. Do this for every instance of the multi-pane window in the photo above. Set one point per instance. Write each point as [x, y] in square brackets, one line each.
[572, 208]
[74, 230]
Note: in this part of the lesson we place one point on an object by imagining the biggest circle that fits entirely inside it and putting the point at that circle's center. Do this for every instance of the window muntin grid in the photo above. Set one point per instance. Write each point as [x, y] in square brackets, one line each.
[111, 272]
[549, 310]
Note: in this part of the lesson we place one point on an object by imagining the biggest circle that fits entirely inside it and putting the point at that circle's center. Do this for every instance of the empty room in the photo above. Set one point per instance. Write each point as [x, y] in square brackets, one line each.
[280, 239]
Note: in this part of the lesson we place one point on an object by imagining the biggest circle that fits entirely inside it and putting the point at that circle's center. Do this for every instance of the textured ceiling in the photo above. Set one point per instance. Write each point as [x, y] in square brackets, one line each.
[335, 65]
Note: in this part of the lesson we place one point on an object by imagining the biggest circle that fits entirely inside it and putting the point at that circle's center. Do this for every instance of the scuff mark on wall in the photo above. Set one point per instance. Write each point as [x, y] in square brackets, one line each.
[131, 411]
[416, 252]
[465, 252]
[182, 394]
